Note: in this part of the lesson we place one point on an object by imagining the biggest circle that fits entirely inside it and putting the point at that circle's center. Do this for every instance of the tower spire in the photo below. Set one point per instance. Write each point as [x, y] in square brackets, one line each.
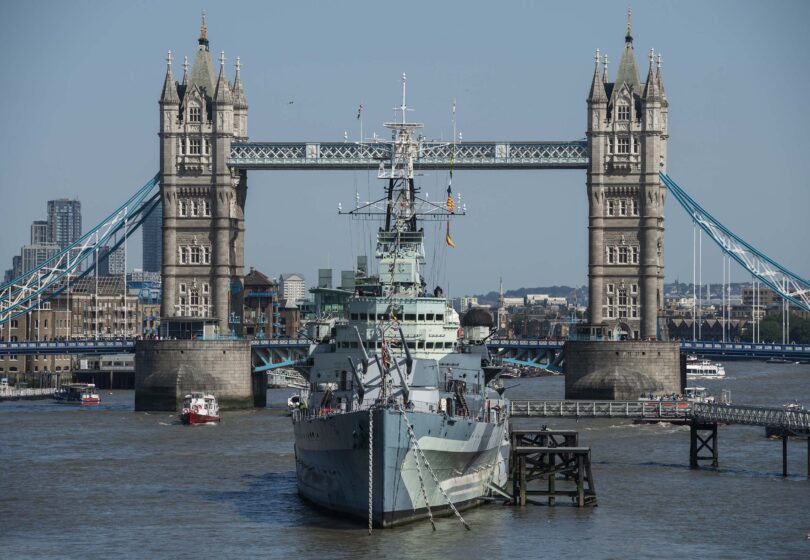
[203, 40]
[629, 37]
[627, 72]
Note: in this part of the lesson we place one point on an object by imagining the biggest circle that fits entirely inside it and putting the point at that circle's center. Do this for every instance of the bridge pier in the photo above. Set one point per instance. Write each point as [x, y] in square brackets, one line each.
[703, 435]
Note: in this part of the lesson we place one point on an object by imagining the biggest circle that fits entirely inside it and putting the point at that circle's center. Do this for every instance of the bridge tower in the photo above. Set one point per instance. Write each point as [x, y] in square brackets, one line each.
[627, 136]
[203, 199]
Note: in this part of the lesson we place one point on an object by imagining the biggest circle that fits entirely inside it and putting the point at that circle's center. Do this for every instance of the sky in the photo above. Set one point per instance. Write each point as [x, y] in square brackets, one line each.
[81, 83]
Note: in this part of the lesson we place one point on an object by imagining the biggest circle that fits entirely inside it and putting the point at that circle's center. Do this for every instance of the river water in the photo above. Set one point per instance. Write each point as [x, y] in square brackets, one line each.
[107, 482]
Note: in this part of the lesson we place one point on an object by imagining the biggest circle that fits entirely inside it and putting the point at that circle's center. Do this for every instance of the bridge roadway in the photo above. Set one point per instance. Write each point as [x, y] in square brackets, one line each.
[769, 417]
[297, 347]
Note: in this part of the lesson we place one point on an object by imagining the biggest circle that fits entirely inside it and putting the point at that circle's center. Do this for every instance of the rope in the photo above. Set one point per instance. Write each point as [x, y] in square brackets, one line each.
[370, 467]
[415, 444]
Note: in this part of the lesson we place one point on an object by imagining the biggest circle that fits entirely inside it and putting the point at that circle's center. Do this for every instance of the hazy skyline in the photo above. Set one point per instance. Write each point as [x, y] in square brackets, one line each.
[80, 117]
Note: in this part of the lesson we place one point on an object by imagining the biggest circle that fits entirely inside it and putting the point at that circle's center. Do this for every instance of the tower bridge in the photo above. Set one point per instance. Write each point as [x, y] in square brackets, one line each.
[205, 156]
[206, 153]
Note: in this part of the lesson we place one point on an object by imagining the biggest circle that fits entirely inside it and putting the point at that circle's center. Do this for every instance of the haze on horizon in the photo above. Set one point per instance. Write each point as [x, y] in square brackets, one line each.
[80, 119]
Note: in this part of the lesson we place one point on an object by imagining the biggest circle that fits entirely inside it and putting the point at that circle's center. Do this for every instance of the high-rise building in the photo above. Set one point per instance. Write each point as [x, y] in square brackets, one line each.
[110, 263]
[16, 266]
[64, 221]
[34, 255]
[39, 232]
[152, 231]
[292, 287]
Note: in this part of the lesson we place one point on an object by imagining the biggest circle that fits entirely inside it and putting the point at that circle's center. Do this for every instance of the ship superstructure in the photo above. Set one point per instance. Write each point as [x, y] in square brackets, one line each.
[400, 423]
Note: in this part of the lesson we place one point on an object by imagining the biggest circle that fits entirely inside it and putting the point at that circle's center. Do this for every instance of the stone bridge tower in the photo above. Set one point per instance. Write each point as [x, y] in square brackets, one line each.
[627, 136]
[203, 200]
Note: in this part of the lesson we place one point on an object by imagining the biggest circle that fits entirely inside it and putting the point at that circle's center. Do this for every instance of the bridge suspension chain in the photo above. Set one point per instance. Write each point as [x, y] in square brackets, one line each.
[787, 284]
[46, 281]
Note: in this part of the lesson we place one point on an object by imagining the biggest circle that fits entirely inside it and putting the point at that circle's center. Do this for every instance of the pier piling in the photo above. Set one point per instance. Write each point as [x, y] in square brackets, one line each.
[545, 455]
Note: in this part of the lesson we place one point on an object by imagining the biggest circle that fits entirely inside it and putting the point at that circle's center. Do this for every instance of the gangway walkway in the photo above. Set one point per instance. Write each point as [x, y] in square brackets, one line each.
[768, 417]
[702, 418]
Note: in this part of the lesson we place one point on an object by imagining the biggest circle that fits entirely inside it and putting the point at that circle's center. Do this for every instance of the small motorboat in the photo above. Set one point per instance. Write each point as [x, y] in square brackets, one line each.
[199, 408]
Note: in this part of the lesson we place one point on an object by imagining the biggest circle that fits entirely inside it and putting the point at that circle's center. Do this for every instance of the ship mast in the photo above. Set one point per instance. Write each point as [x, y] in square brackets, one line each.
[400, 242]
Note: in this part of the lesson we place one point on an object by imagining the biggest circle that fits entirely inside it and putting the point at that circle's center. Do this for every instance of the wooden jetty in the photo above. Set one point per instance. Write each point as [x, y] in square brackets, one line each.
[550, 456]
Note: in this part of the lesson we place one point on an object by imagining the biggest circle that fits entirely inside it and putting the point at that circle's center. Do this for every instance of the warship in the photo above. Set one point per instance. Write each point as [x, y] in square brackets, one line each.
[402, 420]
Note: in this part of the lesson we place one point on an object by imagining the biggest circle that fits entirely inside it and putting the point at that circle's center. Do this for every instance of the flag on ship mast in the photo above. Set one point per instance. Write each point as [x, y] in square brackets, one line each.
[447, 238]
[359, 111]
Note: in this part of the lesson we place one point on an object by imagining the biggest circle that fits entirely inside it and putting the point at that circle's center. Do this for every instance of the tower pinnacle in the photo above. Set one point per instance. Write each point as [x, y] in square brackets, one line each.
[605, 76]
[169, 93]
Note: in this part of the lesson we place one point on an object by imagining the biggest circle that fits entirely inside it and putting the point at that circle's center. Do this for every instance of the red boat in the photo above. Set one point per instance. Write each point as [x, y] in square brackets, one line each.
[199, 408]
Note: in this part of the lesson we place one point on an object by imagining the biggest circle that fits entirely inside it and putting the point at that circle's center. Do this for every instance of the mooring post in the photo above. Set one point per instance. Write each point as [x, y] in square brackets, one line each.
[715, 447]
[552, 479]
[693, 462]
[580, 481]
[522, 468]
[784, 452]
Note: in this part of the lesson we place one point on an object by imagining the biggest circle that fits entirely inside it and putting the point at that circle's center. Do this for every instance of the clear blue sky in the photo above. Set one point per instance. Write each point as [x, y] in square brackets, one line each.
[81, 82]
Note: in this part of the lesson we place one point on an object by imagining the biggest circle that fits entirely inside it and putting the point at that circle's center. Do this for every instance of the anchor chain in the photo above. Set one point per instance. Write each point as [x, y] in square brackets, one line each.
[370, 468]
[421, 482]
[415, 444]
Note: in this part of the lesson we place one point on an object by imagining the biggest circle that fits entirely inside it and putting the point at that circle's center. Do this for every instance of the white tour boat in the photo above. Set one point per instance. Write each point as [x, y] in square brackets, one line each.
[704, 369]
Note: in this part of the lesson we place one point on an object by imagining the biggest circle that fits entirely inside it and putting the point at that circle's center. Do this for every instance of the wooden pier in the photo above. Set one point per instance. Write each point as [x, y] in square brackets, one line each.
[550, 456]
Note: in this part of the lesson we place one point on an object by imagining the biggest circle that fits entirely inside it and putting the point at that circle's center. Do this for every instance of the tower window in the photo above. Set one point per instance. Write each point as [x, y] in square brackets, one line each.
[622, 255]
[194, 146]
[611, 255]
[611, 208]
[610, 288]
[622, 207]
[634, 257]
[623, 113]
[635, 145]
[183, 209]
[206, 257]
[194, 208]
[206, 207]
[623, 146]
[195, 255]
[194, 114]
[633, 207]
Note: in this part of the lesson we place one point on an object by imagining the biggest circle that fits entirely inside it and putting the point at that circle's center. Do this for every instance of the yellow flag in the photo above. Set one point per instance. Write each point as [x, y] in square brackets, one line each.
[449, 239]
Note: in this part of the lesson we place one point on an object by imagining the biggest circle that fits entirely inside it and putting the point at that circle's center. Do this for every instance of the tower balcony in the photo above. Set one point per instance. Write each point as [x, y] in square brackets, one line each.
[623, 162]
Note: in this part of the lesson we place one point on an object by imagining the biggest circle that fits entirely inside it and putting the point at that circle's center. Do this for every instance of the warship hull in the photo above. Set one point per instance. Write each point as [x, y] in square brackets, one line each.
[332, 463]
